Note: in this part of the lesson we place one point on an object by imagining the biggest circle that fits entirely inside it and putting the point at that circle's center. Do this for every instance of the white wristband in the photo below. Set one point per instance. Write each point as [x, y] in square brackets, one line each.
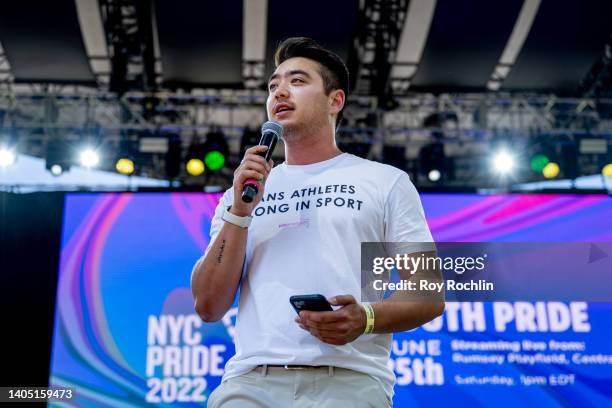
[242, 222]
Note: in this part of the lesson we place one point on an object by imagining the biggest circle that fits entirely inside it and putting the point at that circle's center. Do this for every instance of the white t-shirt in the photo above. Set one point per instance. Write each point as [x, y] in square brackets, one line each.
[305, 238]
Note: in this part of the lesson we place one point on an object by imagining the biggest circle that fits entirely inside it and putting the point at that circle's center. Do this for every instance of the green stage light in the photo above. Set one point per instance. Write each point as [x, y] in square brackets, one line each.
[214, 160]
[216, 150]
[538, 162]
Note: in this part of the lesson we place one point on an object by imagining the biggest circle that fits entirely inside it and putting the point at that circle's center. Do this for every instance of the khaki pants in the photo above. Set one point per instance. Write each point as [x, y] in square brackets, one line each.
[319, 387]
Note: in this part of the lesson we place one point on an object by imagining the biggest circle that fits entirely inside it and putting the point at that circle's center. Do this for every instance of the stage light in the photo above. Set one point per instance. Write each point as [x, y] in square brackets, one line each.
[215, 150]
[89, 158]
[503, 162]
[125, 166]
[56, 170]
[58, 158]
[551, 170]
[214, 160]
[7, 156]
[434, 175]
[538, 162]
[195, 167]
[194, 159]
[607, 170]
[433, 162]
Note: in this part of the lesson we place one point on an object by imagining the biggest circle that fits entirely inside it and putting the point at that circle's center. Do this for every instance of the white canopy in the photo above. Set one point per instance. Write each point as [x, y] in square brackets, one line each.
[28, 174]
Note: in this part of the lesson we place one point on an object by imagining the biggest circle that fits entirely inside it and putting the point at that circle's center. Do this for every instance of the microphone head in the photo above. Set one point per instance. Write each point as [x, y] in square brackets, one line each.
[272, 126]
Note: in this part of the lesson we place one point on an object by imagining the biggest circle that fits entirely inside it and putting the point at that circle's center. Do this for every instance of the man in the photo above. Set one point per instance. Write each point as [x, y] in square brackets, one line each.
[308, 221]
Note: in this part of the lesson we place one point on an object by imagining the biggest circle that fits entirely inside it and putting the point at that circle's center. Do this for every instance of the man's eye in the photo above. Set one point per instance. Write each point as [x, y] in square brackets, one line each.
[272, 87]
[297, 80]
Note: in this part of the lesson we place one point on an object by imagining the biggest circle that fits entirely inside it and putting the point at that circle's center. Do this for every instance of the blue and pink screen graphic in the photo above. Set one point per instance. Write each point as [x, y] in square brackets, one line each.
[126, 333]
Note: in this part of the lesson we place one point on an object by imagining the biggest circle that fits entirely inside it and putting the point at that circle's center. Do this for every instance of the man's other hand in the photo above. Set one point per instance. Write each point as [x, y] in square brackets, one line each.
[339, 327]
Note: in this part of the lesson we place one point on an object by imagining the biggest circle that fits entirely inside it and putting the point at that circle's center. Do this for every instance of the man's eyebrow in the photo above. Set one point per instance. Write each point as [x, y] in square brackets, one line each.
[291, 73]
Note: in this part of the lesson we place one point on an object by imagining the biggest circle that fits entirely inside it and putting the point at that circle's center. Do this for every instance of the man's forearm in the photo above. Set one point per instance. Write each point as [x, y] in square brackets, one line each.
[400, 315]
[406, 310]
[215, 277]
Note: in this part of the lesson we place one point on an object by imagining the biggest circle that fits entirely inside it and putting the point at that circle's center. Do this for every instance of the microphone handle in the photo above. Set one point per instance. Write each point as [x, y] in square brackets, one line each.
[251, 188]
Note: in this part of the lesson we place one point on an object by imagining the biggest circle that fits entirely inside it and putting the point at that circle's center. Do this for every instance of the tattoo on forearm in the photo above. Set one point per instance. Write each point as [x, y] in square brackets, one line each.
[221, 252]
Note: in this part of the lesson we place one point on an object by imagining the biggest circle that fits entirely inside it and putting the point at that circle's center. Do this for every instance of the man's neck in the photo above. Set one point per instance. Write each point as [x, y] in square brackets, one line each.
[311, 150]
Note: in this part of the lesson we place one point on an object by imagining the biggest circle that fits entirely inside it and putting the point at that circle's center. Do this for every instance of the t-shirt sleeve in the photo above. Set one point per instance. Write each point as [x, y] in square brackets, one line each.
[405, 219]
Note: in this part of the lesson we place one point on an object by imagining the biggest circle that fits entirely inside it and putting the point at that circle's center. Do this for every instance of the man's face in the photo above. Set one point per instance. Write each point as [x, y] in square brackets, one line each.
[297, 97]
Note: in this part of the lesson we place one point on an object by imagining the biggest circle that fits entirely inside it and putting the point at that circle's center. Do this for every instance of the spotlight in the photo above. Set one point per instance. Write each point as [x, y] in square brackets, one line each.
[434, 175]
[215, 150]
[194, 159]
[125, 166]
[7, 156]
[129, 153]
[56, 170]
[433, 162]
[503, 162]
[195, 167]
[607, 170]
[214, 160]
[538, 162]
[551, 170]
[89, 158]
[58, 159]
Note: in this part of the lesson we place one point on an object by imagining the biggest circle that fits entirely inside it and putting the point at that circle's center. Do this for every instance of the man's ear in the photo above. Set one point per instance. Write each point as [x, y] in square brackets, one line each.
[336, 100]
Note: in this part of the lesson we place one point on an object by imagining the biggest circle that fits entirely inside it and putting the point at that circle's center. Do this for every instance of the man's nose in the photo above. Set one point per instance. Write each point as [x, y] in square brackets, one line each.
[281, 92]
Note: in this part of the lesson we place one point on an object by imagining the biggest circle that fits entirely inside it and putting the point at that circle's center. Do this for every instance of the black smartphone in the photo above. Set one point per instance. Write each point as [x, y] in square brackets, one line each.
[315, 303]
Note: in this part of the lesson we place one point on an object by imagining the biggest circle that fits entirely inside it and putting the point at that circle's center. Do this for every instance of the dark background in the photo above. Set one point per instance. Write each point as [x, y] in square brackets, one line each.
[30, 232]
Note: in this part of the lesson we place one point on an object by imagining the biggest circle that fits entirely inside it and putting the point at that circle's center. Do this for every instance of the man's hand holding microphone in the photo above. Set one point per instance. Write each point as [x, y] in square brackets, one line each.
[254, 169]
[250, 176]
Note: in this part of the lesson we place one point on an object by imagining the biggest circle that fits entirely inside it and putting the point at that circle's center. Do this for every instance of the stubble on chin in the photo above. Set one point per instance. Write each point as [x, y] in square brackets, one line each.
[300, 132]
[292, 133]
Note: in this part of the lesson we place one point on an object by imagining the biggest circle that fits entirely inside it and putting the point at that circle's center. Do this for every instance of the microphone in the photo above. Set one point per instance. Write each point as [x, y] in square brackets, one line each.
[271, 131]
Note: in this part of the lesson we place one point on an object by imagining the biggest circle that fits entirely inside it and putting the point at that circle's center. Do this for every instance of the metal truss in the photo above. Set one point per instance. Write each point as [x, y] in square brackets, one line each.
[379, 28]
[475, 113]
[128, 26]
[5, 69]
[471, 123]
[598, 82]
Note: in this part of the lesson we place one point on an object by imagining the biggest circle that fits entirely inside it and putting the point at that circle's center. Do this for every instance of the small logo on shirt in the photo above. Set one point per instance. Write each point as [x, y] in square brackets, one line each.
[304, 222]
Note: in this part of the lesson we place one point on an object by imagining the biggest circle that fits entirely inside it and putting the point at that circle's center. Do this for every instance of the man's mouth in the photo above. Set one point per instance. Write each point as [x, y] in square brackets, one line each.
[282, 108]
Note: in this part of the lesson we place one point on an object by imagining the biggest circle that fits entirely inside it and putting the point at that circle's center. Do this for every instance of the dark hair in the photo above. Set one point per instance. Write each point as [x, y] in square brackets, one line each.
[333, 70]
